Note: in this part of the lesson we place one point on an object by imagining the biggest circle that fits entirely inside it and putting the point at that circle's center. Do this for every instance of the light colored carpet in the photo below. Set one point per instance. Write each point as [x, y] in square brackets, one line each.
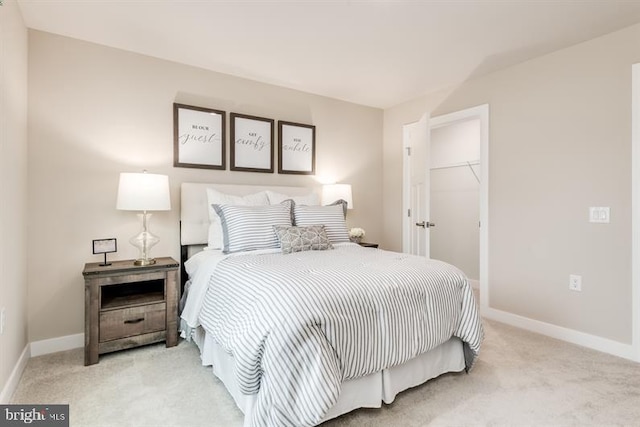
[520, 379]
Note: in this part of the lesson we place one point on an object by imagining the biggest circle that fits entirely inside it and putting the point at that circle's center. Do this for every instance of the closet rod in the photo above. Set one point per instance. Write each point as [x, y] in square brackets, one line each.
[469, 164]
[457, 165]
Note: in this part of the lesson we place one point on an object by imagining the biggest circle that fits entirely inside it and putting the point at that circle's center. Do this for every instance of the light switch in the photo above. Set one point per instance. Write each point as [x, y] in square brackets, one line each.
[599, 214]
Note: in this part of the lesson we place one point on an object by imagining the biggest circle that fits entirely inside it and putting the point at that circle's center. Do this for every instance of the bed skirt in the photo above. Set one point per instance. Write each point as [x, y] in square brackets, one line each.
[365, 392]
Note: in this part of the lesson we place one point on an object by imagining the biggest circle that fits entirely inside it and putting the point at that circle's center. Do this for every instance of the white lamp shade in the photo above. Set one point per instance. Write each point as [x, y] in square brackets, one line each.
[333, 192]
[143, 192]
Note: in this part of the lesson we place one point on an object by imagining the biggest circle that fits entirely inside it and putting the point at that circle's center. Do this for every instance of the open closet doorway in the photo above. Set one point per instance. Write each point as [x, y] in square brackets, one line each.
[455, 195]
[471, 165]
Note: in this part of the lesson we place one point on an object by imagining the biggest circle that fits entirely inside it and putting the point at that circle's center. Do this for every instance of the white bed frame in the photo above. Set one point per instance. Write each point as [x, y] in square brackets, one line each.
[366, 392]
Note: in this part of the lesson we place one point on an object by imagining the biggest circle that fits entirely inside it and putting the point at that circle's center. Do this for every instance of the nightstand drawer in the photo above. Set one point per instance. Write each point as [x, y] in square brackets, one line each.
[126, 322]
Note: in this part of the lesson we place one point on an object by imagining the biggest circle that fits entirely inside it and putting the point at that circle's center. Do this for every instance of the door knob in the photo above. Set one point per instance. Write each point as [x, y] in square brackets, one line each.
[425, 224]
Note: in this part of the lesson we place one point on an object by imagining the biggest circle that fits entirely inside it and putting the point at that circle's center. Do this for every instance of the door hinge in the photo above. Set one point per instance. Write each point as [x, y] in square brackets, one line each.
[408, 151]
[409, 213]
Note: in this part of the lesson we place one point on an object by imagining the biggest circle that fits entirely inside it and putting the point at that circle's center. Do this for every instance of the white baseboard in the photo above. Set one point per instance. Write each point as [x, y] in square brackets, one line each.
[593, 342]
[54, 345]
[37, 348]
[12, 383]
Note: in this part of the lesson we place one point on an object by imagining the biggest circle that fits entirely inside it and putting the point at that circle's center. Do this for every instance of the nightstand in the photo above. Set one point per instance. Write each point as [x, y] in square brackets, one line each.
[128, 306]
[368, 245]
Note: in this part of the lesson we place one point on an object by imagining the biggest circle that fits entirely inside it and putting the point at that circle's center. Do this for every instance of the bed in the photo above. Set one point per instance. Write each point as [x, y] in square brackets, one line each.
[303, 337]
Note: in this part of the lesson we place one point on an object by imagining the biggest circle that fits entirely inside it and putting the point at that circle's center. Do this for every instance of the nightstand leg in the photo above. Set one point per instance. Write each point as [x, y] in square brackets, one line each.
[172, 308]
[91, 301]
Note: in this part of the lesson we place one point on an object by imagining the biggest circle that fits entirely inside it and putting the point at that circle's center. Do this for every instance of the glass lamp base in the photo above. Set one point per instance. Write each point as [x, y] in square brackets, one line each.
[144, 241]
[143, 262]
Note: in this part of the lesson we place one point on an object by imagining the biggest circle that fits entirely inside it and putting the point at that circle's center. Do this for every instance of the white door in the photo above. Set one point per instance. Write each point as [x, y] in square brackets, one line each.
[416, 222]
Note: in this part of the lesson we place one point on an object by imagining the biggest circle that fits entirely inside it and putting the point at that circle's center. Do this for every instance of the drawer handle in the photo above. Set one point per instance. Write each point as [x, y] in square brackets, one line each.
[134, 320]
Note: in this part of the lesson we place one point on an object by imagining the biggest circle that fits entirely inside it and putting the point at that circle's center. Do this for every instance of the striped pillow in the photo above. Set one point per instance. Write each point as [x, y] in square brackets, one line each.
[332, 217]
[247, 228]
[215, 197]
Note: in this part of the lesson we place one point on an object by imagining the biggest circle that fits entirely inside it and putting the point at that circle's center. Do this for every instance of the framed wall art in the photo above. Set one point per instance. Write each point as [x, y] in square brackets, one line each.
[251, 143]
[296, 148]
[198, 137]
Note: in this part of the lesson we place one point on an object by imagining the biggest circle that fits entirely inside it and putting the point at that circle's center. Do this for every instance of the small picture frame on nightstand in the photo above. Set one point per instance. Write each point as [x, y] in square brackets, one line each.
[105, 246]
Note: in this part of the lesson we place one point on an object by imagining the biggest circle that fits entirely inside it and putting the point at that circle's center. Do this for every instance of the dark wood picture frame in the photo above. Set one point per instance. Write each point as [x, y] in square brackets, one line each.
[251, 143]
[199, 137]
[296, 148]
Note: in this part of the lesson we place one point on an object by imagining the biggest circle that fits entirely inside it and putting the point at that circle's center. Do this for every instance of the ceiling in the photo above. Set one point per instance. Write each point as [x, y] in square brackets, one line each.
[375, 53]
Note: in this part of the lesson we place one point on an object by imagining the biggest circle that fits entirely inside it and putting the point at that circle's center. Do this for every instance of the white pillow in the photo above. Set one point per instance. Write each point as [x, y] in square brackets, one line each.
[332, 217]
[248, 228]
[277, 198]
[215, 197]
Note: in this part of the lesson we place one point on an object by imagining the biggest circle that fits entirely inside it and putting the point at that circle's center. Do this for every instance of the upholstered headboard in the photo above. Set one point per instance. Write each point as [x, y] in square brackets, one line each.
[194, 214]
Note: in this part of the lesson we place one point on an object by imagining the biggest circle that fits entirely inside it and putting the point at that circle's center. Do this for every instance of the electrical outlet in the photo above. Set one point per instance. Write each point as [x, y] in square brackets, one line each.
[575, 282]
[600, 214]
[2, 321]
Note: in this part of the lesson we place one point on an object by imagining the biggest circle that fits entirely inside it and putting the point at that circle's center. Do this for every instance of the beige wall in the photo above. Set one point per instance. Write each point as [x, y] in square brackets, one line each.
[13, 187]
[96, 111]
[560, 141]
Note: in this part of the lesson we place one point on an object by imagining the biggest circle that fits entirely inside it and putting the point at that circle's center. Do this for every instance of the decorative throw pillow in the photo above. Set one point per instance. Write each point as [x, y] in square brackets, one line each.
[298, 239]
[215, 197]
[332, 217]
[246, 228]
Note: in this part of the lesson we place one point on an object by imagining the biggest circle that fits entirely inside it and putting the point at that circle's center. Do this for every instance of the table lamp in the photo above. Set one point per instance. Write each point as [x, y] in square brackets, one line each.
[143, 192]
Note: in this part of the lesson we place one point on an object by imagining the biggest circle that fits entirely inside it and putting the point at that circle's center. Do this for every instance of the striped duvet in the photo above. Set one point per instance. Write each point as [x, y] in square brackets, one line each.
[300, 324]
